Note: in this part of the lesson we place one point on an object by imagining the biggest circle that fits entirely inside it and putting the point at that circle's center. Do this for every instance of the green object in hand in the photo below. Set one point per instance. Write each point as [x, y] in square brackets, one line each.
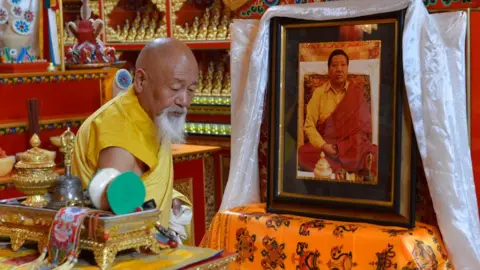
[125, 193]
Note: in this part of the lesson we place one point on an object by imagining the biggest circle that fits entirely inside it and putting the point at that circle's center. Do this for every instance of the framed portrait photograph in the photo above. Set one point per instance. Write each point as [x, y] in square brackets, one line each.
[341, 143]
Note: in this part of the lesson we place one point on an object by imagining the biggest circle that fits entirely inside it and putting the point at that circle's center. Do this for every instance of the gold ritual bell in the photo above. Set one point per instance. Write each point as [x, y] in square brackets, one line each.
[34, 174]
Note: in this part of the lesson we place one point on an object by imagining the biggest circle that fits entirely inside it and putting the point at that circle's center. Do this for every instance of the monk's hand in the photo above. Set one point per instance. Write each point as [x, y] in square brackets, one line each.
[176, 206]
[330, 149]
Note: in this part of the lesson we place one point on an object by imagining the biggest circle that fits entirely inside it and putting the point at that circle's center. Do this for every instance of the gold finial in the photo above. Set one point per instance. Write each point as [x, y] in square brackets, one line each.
[35, 141]
[67, 141]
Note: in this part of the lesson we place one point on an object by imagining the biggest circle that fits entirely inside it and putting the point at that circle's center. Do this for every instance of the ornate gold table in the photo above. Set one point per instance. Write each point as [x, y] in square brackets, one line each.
[111, 235]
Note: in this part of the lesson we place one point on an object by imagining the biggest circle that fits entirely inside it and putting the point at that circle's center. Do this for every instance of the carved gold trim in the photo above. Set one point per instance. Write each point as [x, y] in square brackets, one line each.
[209, 188]
[190, 157]
[211, 100]
[210, 141]
[224, 172]
[222, 264]
[210, 110]
[185, 186]
[208, 129]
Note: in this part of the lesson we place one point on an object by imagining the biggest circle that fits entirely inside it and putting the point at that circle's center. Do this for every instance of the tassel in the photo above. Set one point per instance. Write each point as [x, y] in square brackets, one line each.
[68, 265]
[37, 263]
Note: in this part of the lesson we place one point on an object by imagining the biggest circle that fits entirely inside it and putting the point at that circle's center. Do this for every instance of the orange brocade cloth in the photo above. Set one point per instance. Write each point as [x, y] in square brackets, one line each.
[271, 241]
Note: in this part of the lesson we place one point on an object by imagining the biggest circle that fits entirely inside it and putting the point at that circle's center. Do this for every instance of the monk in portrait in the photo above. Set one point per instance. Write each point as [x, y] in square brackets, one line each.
[338, 123]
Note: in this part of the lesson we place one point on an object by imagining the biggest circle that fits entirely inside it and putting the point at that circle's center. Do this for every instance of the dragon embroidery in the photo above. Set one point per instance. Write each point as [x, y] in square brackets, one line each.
[305, 259]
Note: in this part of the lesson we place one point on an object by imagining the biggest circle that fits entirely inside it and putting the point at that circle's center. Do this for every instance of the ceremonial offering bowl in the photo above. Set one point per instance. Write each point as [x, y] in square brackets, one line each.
[34, 174]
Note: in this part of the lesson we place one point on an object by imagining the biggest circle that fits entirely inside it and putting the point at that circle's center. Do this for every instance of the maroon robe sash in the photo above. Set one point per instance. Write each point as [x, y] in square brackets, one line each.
[350, 128]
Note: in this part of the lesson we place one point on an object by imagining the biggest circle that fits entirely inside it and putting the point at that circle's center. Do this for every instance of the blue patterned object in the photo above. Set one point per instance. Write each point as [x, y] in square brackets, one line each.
[123, 79]
[21, 27]
[3, 15]
[15, 2]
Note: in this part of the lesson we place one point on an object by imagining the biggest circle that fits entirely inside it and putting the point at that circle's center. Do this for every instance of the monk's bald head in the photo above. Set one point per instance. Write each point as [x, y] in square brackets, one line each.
[166, 76]
[161, 52]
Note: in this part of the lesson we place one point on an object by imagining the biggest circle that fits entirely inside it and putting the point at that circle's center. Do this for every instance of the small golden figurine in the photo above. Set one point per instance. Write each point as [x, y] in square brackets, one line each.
[226, 92]
[204, 23]
[206, 17]
[145, 19]
[125, 30]
[137, 20]
[180, 32]
[208, 82]
[223, 28]
[212, 31]
[162, 29]
[132, 33]
[192, 34]
[150, 33]
[207, 90]
[113, 35]
[202, 33]
[140, 34]
[199, 89]
[218, 80]
[186, 29]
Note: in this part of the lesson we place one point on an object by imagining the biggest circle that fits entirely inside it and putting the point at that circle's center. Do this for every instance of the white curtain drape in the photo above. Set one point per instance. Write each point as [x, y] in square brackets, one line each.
[434, 70]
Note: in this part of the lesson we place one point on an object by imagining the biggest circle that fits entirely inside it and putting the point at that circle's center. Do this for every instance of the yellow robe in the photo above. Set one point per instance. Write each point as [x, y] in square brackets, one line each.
[322, 104]
[123, 123]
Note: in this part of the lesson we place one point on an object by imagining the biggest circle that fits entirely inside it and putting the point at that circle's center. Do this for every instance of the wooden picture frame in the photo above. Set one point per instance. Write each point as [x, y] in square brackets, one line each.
[337, 87]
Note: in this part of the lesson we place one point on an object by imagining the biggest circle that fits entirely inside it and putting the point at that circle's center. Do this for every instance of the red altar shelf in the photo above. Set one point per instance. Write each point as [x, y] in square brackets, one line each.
[268, 241]
[194, 45]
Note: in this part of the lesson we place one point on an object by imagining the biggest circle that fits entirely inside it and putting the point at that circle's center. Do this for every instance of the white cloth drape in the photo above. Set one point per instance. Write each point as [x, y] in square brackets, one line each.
[434, 70]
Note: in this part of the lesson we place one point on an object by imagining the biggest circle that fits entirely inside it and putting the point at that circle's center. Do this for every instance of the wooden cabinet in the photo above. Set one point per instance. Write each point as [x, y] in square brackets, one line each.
[195, 177]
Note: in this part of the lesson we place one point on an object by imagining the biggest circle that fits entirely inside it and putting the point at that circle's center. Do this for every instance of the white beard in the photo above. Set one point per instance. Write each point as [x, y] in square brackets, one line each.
[171, 129]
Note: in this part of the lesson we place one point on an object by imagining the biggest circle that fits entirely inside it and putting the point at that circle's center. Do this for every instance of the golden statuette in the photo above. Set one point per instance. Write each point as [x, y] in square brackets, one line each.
[34, 174]
[226, 86]
[67, 141]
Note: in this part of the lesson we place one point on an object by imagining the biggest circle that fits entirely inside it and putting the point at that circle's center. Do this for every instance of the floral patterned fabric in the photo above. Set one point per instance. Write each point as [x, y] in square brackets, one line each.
[270, 241]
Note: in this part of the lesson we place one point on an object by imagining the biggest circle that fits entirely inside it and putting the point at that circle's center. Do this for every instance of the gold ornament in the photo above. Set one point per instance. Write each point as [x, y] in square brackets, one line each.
[34, 174]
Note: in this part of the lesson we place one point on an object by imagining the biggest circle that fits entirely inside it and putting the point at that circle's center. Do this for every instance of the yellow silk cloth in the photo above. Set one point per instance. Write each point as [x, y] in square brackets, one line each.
[166, 259]
[123, 123]
[271, 241]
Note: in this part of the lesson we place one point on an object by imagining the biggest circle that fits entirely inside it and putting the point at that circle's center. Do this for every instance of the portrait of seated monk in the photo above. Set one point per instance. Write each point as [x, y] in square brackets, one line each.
[338, 122]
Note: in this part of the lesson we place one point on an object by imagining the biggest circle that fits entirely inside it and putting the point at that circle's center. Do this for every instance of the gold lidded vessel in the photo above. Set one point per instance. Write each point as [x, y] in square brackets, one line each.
[34, 174]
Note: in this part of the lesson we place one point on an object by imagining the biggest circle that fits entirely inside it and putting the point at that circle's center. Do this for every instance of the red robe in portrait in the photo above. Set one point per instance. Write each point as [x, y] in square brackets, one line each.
[350, 128]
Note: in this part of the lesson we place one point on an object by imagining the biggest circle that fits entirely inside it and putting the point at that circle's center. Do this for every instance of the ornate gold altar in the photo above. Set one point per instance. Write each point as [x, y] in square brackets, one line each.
[29, 219]
[110, 235]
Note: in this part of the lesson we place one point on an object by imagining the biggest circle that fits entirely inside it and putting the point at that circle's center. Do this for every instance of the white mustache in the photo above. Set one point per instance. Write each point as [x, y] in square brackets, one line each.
[175, 109]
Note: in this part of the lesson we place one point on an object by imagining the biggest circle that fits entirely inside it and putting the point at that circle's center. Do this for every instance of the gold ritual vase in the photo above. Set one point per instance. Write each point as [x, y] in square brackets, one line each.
[34, 174]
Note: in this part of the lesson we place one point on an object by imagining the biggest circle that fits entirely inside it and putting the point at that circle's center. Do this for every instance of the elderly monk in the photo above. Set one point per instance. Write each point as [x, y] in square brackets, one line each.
[339, 123]
[135, 130]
